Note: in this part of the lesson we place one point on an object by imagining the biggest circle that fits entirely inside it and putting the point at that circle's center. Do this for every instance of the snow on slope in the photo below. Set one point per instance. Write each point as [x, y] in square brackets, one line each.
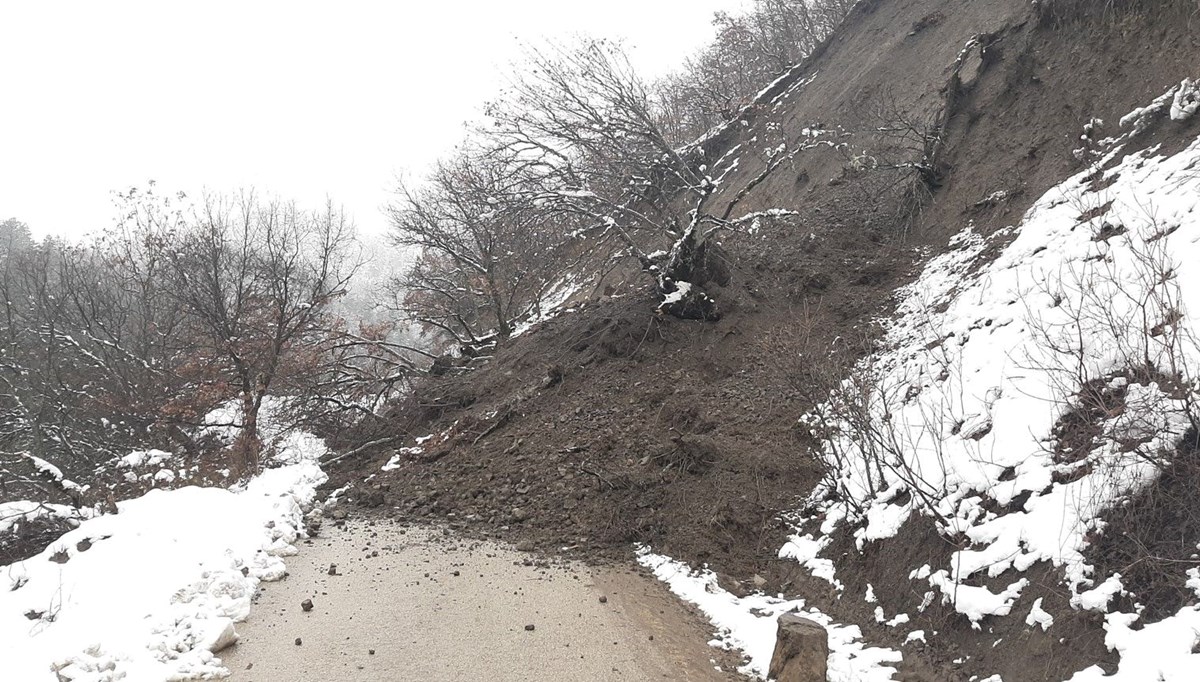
[147, 593]
[954, 419]
[748, 624]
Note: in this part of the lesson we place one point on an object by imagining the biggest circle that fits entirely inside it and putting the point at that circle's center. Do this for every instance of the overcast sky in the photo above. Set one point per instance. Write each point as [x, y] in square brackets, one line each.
[298, 99]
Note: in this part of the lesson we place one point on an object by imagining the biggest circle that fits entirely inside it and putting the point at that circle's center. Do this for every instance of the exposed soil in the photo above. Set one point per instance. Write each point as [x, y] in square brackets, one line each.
[612, 424]
[607, 427]
[1146, 540]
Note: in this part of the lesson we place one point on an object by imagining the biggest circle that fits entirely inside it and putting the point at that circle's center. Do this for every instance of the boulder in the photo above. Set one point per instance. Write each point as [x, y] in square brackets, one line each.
[801, 650]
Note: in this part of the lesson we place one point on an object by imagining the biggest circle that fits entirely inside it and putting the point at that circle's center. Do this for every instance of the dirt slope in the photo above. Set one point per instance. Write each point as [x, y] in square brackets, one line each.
[611, 424]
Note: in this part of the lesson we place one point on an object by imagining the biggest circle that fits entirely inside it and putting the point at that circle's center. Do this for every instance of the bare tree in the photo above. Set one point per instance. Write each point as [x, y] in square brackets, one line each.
[255, 279]
[749, 50]
[486, 254]
[584, 126]
[86, 358]
[14, 236]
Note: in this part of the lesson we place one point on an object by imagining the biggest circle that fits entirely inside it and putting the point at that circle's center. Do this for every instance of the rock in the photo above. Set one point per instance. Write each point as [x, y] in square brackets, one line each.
[306, 605]
[801, 650]
[519, 514]
[759, 581]
[529, 628]
[299, 641]
[84, 545]
[370, 652]
[525, 546]
[333, 569]
[339, 514]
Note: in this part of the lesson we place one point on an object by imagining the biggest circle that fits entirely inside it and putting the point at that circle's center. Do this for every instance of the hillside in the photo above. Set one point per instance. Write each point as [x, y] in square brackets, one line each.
[892, 381]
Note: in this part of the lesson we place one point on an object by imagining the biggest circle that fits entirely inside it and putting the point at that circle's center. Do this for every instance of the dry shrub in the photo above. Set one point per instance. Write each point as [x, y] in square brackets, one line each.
[29, 537]
[1151, 539]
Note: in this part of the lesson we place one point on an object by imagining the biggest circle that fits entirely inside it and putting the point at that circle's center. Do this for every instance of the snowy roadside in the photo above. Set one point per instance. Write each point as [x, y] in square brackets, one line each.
[152, 591]
[749, 623]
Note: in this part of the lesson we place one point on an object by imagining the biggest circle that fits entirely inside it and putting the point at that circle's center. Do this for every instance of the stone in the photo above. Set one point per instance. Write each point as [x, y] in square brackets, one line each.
[306, 605]
[529, 628]
[525, 546]
[801, 650]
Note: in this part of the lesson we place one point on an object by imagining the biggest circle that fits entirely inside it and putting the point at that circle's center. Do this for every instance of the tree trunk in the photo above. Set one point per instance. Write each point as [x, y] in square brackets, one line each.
[247, 448]
[503, 328]
[692, 264]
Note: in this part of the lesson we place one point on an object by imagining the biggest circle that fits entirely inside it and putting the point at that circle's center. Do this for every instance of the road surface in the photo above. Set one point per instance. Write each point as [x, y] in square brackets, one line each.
[409, 603]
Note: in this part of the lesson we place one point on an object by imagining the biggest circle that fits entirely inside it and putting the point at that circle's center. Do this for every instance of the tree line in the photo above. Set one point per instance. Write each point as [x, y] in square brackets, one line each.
[127, 340]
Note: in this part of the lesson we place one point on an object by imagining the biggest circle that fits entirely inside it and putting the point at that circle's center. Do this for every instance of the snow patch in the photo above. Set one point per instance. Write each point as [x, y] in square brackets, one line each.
[1186, 100]
[749, 624]
[150, 593]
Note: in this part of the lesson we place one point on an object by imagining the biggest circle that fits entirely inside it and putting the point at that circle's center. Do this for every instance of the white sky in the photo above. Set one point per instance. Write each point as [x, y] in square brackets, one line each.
[298, 99]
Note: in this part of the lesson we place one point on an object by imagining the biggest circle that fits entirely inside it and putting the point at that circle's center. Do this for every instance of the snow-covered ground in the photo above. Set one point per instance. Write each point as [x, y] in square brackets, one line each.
[150, 592]
[748, 624]
[955, 418]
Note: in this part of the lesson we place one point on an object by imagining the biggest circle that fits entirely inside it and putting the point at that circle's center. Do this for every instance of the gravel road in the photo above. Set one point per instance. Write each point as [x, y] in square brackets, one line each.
[405, 603]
